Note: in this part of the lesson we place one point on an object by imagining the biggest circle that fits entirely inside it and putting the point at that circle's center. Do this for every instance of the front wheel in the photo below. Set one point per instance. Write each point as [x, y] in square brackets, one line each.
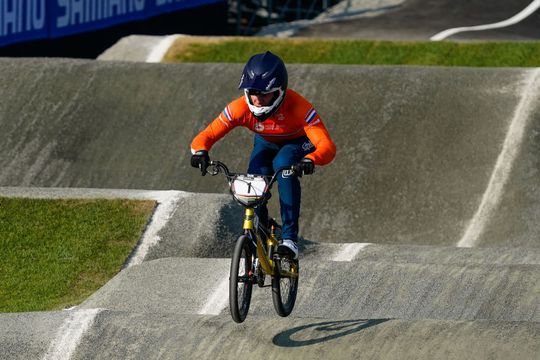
[241, 280]
[285, 285]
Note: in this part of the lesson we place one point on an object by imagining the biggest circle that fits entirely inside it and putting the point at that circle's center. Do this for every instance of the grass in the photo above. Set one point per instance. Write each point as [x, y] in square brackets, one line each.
[55, 253]
[326, 51]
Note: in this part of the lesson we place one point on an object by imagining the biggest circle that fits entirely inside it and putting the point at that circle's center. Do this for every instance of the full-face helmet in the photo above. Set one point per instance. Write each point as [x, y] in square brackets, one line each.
[264, 74]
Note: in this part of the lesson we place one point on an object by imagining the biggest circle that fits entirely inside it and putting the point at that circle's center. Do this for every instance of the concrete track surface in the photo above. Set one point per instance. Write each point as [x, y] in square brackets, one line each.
[420, 149]
[428, 158]
[421, 19]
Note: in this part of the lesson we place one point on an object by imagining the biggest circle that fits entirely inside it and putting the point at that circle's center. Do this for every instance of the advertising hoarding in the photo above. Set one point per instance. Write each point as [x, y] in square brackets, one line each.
[22, 20]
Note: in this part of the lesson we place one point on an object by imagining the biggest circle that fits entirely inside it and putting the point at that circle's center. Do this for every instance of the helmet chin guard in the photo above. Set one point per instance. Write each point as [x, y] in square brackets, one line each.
[262, 113]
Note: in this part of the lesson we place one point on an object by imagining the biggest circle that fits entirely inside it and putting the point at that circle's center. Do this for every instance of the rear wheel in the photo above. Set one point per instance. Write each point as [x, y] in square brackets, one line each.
[285, 285]
[241, 280]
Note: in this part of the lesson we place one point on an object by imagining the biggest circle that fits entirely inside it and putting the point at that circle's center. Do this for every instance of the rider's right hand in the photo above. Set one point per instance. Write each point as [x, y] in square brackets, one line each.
[200, 160]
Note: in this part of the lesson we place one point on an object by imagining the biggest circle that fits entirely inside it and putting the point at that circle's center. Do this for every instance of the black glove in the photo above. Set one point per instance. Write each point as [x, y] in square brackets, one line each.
[304, 167]
[200, 160]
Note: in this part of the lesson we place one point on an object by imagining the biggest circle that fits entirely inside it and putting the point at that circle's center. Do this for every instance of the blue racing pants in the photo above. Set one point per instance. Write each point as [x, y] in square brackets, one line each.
[266, 158]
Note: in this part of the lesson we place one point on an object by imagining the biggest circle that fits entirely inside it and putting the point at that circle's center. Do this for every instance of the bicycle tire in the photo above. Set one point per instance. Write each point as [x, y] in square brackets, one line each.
[240, 280]
[284, 289]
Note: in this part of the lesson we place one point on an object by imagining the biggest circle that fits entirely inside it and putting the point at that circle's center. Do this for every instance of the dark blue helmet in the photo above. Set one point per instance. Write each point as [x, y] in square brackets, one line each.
[264, 73]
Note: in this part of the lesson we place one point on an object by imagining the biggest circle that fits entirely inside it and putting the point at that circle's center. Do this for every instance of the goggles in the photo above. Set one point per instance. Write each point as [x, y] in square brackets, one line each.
[259, 92]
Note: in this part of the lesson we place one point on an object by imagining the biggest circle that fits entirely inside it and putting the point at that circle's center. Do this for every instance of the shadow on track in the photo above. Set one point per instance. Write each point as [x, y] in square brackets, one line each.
[321, 332]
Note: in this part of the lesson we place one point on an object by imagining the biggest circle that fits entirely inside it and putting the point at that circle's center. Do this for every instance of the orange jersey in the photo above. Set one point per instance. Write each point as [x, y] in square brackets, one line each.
[295, 118]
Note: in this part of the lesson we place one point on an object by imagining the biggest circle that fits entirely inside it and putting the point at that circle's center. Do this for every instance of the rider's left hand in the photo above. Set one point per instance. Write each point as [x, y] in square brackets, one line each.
[304, 167]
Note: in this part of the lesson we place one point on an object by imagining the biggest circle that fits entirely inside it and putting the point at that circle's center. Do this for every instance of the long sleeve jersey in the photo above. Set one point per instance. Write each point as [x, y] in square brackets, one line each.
[295, 118]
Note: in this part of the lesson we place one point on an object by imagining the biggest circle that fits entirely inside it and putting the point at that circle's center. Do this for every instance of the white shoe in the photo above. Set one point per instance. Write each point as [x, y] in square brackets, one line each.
[288, 247]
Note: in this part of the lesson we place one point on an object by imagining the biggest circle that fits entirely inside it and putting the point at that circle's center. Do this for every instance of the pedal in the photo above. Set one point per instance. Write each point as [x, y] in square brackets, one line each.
[259, 274]
[260, 280]
[285, 255]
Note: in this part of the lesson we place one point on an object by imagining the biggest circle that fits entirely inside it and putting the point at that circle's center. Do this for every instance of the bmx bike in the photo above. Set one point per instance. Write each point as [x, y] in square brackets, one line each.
[255, 254]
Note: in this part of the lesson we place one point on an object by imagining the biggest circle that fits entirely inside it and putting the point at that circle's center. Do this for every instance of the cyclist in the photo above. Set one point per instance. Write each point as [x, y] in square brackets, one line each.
[289, 132]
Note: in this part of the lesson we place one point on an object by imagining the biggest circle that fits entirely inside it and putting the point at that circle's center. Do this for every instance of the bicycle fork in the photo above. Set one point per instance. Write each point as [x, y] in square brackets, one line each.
[267, 264]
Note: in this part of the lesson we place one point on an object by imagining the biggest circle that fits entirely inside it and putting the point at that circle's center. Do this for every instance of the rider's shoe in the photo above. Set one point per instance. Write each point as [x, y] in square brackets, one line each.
[288, 247]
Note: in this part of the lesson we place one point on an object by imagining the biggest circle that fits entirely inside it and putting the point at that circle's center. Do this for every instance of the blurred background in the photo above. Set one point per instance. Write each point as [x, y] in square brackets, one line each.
[85, 28]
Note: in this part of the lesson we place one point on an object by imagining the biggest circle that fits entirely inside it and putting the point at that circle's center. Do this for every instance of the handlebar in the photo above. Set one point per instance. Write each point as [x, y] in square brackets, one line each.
[249, 199]
[215, 167]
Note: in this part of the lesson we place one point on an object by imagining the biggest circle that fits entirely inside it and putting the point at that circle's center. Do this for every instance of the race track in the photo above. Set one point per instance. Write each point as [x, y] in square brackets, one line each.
[420, 240]
[411, 20]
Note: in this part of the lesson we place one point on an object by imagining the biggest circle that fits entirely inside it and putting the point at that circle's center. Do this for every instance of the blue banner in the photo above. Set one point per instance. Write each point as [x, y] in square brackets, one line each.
[22, 20]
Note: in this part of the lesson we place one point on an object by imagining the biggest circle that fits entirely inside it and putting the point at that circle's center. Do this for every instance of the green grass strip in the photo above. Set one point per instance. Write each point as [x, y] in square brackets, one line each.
[55, 253]
[324, 51]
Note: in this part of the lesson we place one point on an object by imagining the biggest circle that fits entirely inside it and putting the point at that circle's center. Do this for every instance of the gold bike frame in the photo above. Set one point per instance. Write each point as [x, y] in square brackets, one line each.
[267, 264]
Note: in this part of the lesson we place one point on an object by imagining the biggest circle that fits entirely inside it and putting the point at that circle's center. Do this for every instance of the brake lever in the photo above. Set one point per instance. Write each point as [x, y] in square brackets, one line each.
[214, 171]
